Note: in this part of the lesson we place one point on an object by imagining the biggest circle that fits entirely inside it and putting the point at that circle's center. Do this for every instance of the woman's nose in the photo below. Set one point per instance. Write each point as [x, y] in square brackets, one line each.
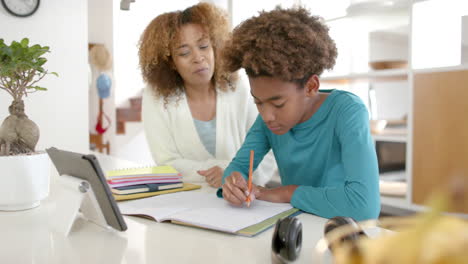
[198, 57]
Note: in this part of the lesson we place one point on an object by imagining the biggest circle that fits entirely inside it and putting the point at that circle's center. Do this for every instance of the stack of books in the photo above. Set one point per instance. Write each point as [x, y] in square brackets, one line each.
[145, 179]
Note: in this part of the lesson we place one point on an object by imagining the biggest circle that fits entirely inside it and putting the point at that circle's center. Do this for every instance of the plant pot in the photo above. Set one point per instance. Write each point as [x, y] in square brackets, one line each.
[24, 181]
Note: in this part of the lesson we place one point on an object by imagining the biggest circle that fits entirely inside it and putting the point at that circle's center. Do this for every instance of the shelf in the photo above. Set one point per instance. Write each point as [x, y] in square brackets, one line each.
[400, 206]
[381, 76]
[393, 183]
[385, 75]
[392, 135]
[393, 175]
[394, 203]
[461, 67]
[398, 202]
[390, 138]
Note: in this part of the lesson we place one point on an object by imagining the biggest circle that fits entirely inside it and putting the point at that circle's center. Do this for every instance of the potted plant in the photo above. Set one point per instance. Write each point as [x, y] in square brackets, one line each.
[25, 172]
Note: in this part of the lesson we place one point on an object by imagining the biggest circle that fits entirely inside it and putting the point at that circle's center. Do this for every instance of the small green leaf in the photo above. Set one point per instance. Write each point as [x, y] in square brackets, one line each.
[41, 61]
[54, 73]
[25, 42]
[38, 88]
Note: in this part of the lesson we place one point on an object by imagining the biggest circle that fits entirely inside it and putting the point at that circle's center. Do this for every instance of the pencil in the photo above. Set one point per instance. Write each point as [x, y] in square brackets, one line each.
[247, 200]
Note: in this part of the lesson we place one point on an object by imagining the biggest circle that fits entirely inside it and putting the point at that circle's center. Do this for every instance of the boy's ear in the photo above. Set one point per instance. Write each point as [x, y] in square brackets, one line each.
[312, 86]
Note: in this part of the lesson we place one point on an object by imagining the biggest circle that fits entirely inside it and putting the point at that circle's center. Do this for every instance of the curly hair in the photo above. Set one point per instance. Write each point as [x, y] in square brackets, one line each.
[162, 33]
[288, 44]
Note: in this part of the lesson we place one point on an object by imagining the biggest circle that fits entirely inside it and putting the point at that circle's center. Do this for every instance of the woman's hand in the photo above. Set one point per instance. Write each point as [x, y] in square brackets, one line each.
[212, 176]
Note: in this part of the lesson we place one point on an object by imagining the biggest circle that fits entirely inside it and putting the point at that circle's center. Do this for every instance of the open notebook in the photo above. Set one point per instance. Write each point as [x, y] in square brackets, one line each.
[205, 210]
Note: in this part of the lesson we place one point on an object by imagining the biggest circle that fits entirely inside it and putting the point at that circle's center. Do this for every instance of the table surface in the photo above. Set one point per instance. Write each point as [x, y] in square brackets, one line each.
[31, 237]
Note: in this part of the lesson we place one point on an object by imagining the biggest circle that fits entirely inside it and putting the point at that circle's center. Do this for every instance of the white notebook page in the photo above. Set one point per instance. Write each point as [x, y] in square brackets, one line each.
[203, 209]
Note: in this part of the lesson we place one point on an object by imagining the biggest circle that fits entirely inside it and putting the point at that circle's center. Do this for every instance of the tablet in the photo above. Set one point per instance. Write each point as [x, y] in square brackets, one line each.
[87, 167]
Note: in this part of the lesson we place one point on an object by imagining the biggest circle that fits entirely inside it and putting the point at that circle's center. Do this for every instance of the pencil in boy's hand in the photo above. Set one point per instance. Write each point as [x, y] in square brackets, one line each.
[247, 200]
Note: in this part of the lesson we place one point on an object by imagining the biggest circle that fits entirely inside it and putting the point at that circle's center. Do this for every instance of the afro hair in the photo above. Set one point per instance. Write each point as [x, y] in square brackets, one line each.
[288, 44]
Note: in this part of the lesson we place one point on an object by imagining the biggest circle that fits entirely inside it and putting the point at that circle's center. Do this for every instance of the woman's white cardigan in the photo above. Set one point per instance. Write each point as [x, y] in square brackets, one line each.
[173, 138]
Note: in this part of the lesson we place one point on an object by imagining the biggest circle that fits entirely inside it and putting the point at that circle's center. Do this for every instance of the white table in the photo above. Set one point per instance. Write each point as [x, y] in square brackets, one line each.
[30, 237]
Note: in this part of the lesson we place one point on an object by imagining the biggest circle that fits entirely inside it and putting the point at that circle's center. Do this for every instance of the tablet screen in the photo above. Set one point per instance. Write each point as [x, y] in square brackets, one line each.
[87, 167]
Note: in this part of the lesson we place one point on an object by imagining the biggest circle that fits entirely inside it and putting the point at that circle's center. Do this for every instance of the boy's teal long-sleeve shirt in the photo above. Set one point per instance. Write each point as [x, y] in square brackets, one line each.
[331, 156]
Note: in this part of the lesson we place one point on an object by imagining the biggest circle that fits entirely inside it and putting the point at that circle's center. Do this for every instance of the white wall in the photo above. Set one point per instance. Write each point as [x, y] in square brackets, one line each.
[128, 27]
[427, 51]
[464, 37]
[392, 101]
[388, 46]
[100, 22]
[100, 31]
[62, 111]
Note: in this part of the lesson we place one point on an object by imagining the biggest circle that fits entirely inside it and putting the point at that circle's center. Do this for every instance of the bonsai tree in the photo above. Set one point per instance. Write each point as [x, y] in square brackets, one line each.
[21, 67]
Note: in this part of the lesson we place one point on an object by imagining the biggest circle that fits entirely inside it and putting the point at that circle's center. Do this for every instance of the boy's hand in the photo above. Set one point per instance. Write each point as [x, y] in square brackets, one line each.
[212, 176]
[235, 189]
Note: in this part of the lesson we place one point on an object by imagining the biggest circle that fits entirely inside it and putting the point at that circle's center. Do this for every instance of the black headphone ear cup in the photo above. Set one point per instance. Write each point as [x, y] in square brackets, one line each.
[294, 239]
[276, 241]
[287, 238]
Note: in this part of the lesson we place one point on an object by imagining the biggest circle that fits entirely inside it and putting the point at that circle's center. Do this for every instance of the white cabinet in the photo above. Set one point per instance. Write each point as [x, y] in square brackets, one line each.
[378, 38]
[432, 37]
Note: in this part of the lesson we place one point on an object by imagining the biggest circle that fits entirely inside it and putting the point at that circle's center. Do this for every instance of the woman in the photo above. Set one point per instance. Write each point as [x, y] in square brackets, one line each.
[195, 115]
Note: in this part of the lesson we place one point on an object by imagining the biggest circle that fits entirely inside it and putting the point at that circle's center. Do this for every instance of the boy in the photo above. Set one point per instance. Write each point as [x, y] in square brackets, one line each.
[320, 139]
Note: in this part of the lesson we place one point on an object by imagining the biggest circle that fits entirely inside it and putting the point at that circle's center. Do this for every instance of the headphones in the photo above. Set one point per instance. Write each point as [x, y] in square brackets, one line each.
[338, 221]
[287, 237]
[287, 240]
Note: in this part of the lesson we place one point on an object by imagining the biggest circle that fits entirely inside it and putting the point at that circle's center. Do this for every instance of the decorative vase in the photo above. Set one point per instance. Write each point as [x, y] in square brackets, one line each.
[24, 181]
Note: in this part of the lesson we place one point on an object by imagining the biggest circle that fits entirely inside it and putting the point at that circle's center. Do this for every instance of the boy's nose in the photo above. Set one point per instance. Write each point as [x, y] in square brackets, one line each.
[268, 116]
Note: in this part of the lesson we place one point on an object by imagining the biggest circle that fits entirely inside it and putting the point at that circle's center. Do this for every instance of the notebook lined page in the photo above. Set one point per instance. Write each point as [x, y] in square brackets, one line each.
[204, 209]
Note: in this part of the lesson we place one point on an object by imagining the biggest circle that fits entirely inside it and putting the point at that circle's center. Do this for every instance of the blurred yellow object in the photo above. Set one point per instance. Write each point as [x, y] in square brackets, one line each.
[427, 238]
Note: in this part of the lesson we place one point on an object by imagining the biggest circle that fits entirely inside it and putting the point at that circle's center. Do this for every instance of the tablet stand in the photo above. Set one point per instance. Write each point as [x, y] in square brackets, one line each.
[80, 203]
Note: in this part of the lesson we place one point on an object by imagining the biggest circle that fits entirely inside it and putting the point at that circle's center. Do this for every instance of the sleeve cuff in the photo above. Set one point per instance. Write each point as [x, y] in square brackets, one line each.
[294, 198]
[219, 193]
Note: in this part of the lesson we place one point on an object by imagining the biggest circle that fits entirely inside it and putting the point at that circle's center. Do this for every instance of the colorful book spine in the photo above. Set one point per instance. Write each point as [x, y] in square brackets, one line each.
[143, 171]
[136, 179]
[113, 185]
[141, 188]
[143, 175]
